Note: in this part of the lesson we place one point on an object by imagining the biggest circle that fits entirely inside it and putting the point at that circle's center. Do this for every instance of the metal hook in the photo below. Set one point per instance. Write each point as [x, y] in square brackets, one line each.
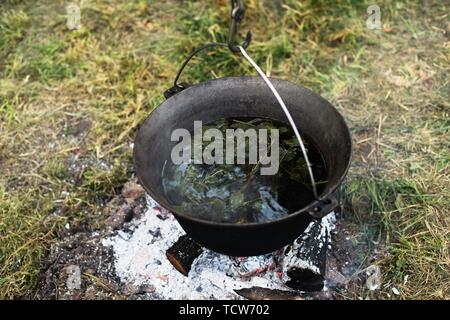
[237, 14]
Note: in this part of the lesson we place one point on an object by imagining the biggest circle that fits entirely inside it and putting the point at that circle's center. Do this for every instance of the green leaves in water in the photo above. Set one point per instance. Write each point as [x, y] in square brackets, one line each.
[238, 193]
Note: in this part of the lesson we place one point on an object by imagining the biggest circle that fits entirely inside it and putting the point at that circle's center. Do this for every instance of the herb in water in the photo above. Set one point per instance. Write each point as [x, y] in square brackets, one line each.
[238, 193]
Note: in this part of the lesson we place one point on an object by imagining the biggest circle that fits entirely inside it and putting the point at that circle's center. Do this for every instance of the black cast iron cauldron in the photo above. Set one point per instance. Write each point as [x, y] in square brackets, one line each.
[244, 97]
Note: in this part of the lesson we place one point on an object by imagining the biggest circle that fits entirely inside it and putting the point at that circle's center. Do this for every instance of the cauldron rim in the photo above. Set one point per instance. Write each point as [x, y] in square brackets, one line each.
[317, 202]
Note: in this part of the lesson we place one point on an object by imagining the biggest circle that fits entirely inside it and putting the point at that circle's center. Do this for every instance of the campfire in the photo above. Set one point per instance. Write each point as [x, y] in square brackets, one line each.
[158, 254]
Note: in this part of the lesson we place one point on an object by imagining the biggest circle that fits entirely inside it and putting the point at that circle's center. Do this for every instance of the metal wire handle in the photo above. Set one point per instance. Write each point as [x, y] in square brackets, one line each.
[193, 53]
[288, 115]
[237, 14]
[179, 87]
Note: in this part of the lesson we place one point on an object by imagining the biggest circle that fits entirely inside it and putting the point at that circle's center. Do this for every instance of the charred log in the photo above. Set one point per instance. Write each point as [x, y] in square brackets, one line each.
[305, 260]
[183, 253]
[259, 293]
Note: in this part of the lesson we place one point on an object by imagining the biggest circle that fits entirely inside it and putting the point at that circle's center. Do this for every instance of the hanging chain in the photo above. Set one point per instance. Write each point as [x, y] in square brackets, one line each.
[237, 15]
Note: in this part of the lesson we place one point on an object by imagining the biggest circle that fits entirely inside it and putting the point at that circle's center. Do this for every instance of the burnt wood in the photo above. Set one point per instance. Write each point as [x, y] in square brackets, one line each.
[183, 253]
[259, 293]
[303, 262]
[305, 259]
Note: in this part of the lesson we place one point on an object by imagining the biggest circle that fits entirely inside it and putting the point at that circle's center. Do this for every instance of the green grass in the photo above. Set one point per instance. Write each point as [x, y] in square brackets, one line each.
[13, 24]
[70, 103]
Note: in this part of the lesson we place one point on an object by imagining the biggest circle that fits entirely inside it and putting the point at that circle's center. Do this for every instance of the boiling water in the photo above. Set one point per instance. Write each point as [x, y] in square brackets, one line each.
[238, 193]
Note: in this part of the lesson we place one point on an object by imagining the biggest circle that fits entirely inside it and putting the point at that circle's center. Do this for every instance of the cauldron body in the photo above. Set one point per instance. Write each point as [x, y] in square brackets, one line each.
[244, 97]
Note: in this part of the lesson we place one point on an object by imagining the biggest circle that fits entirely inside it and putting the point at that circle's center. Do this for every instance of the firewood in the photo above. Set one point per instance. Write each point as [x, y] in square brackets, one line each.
[259, 293]
[303, 264]
[305, 259]
[183, 253]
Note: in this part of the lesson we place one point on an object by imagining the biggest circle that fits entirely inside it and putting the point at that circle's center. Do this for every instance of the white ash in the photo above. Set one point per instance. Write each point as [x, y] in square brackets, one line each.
[140, 260]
